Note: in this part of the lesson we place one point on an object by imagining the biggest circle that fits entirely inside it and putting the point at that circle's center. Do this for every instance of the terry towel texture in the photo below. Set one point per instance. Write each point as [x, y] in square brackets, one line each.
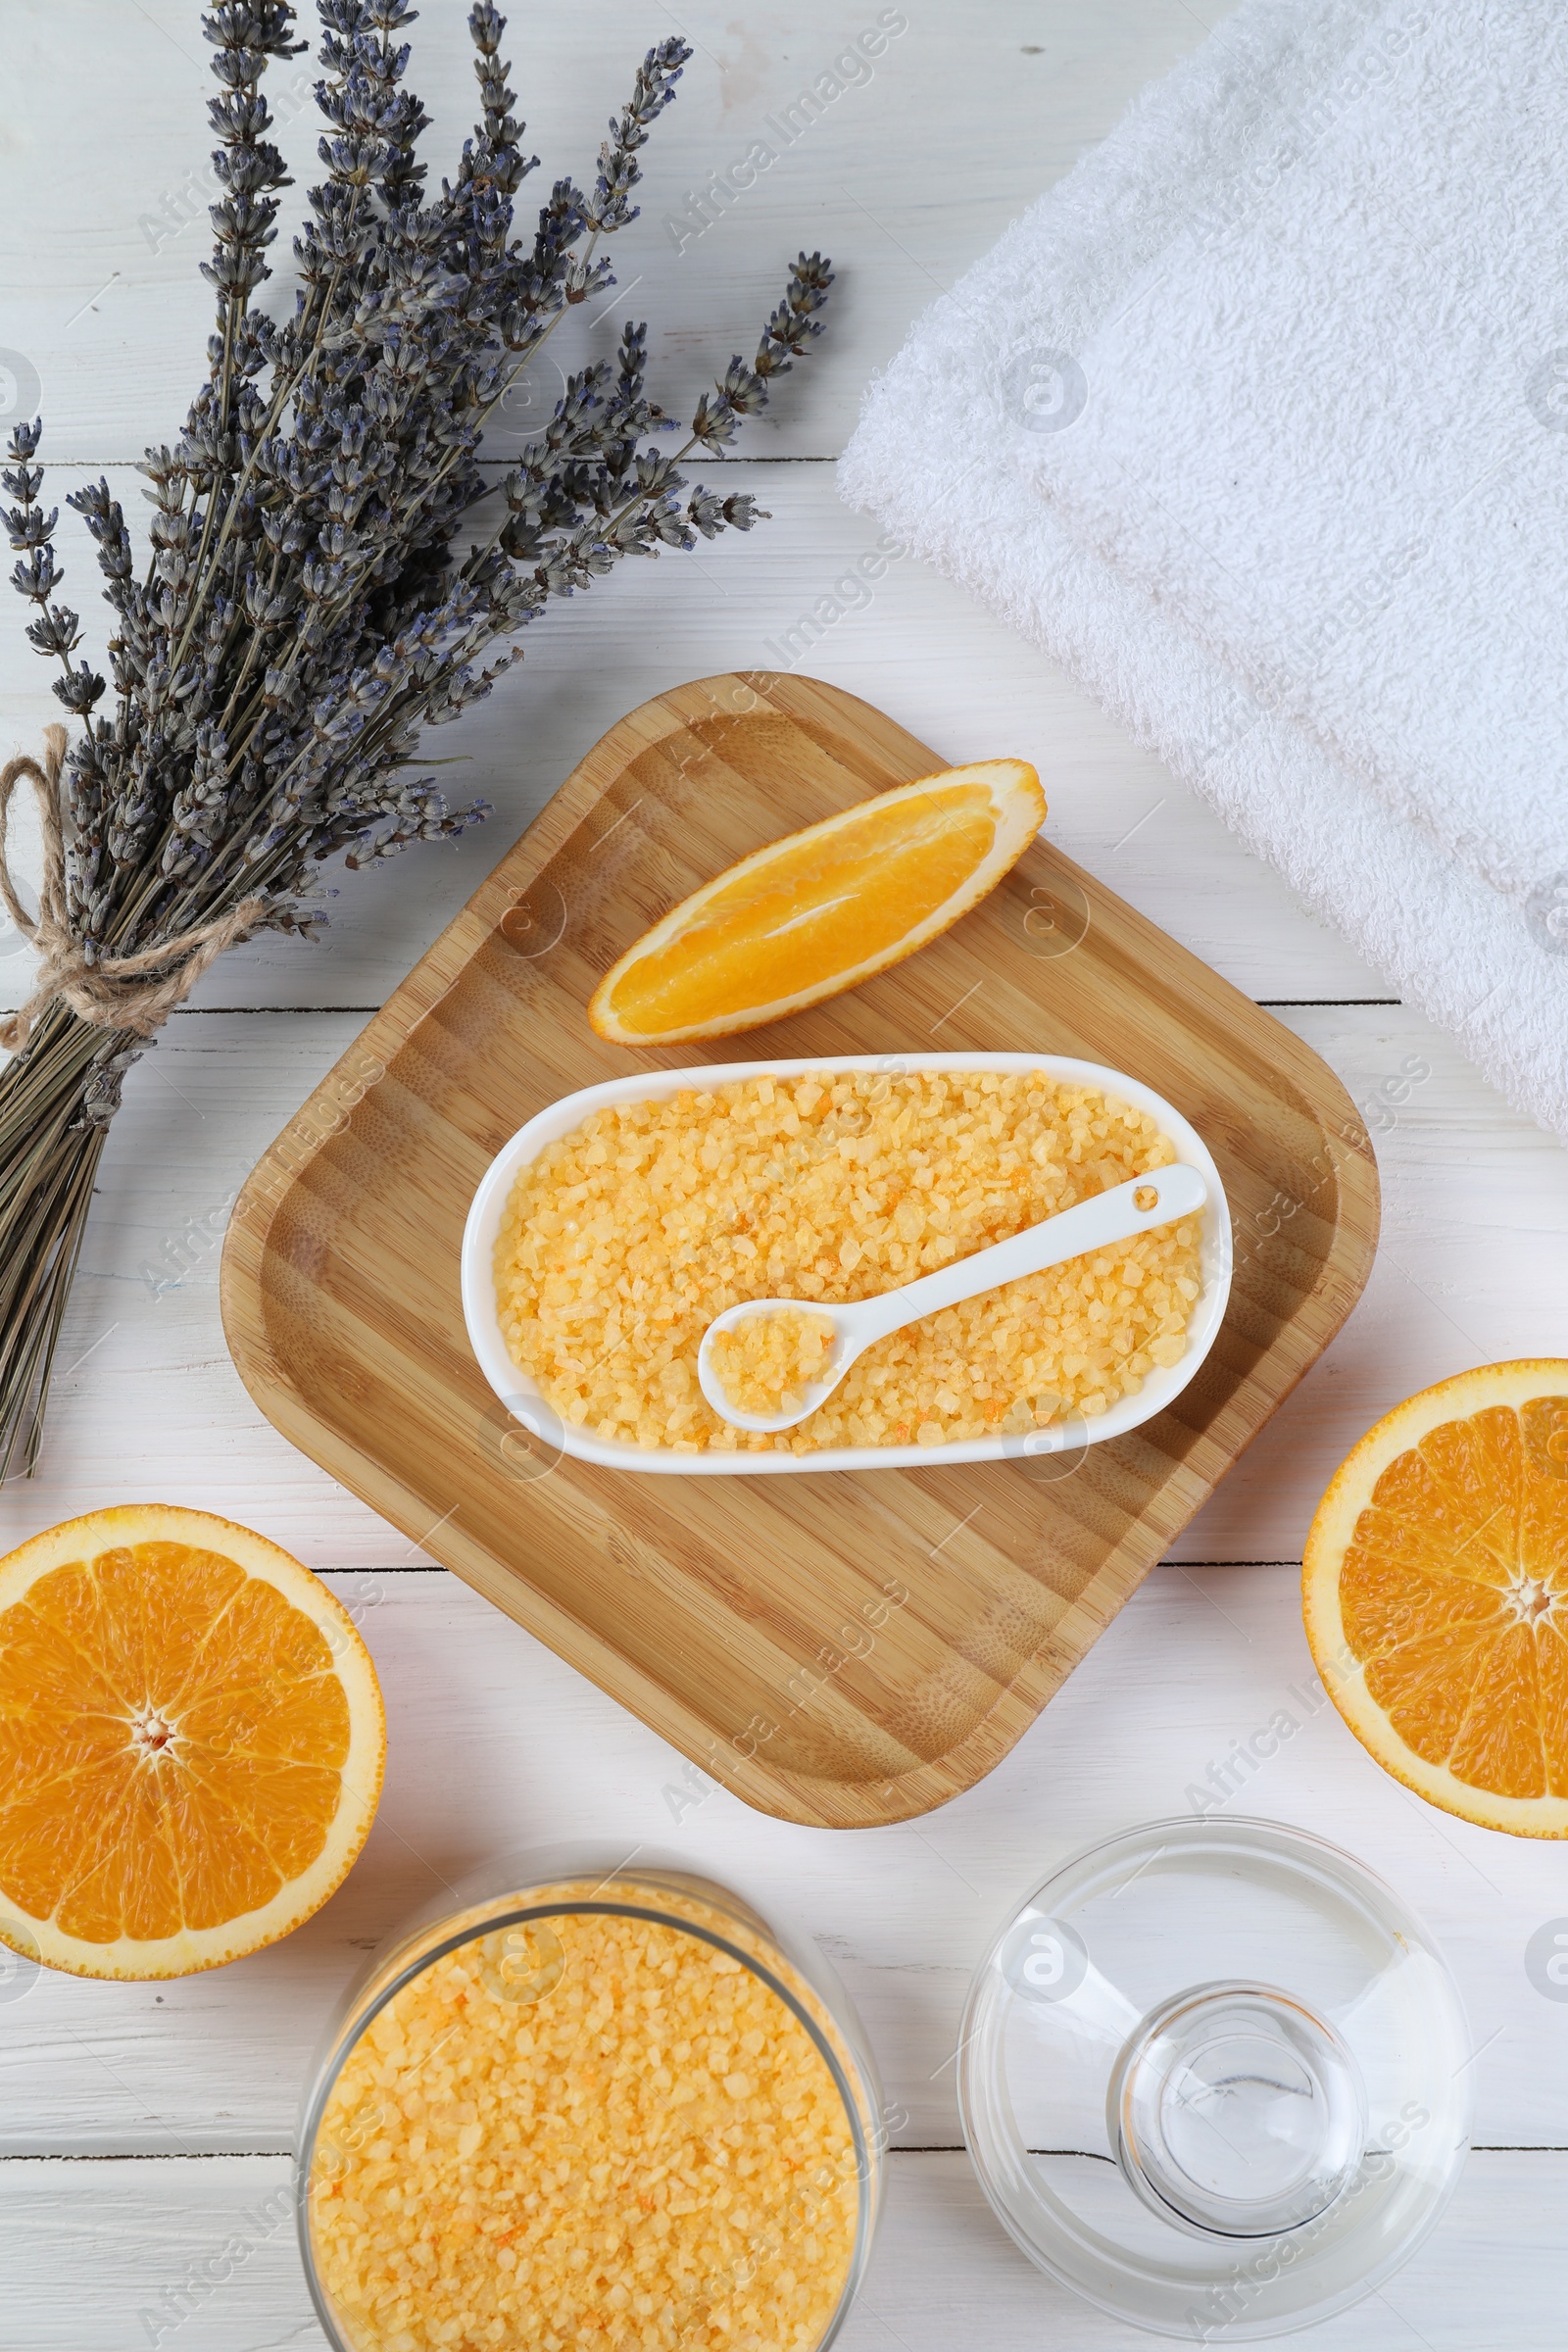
[1259, 423]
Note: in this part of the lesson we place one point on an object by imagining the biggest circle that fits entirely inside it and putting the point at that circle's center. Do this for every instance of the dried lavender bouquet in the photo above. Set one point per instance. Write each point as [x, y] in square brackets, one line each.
[329, 569]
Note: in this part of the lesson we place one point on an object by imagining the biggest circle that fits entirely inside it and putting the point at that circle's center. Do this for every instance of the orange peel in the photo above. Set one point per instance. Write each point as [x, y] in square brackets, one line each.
[819, 912]
[193, 1744]
[1434, 1587]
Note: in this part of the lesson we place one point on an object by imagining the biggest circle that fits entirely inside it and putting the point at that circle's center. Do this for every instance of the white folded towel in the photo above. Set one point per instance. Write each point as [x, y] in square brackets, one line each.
[1259, 423]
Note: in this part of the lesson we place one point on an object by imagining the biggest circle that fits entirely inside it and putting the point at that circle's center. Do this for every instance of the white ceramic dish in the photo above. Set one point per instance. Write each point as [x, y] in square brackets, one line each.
[522, 1397]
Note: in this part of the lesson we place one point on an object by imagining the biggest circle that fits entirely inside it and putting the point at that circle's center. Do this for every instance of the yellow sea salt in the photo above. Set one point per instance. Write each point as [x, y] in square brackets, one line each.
[592, 2131]
[623, 1241]
[765, 1362]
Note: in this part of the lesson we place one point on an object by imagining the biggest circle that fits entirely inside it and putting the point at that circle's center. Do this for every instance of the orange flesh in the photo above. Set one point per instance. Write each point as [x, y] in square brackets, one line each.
[172, 1737]
[1455, 1597]
[817, 909]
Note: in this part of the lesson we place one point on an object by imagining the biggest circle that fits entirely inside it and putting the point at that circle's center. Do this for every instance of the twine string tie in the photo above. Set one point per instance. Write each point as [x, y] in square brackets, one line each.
[135, 993]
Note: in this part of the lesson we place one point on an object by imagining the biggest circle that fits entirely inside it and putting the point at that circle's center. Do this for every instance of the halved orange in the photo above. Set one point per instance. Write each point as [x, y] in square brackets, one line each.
[1435, 1592]
[819, 912]
[191, 1743]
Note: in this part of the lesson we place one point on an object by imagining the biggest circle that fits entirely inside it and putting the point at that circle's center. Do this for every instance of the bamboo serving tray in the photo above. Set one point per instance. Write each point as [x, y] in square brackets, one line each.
[846, 1649]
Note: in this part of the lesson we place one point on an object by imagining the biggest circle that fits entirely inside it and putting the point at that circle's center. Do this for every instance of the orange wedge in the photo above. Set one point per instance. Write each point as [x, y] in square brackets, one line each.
[1436, 1590]
[191, 1743]
[824, 909]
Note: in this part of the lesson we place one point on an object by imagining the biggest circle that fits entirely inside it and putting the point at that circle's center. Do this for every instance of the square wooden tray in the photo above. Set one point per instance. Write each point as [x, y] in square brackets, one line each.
[844, 1650]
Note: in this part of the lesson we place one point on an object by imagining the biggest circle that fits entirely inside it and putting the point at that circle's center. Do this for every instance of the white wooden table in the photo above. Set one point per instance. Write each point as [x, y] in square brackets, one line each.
[143, 2130]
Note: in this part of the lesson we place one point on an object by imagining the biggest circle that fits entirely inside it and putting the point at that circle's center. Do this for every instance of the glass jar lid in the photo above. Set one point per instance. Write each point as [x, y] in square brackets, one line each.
[1216, 2076]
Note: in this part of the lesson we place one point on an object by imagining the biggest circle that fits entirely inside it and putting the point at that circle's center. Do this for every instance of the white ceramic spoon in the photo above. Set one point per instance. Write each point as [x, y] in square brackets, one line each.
[1115, 1216]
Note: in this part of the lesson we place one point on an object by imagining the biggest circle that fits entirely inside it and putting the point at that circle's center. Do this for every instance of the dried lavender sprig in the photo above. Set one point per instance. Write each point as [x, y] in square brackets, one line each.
[619, 169]
[247, 166]
[654, 91]
[56, 631]
[316, 593]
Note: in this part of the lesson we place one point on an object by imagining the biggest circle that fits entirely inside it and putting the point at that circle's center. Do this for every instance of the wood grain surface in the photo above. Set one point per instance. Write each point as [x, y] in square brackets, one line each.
[844, 1650]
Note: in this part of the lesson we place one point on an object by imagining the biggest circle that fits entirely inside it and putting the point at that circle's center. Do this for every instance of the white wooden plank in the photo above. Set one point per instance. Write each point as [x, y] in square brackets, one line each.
[1470, 1269]
[912, 643]
[946, 670]
[946, 2274]
[101, 2257]
[147, 1401]
[495, 1746]
[905, 176]
[107, 2257]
